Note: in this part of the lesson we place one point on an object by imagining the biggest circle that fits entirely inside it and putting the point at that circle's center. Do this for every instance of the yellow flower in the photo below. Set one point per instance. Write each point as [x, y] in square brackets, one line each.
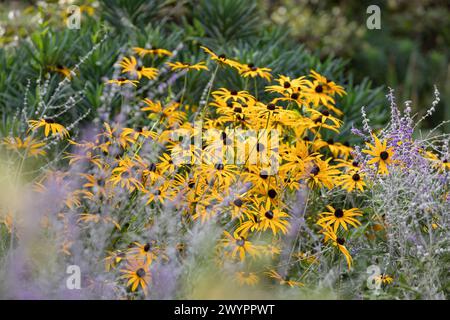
[384, 279]
[441, 164]
[122, 81]
[66, 72]
[138, 275]
[381, 154]
[248, 278]
[159, 52]
[239, 246]
[339, 242]
[225, 95]
[284, 281]
[352, 181]
[250, 70]
[318, 95]
[96, 218]
[286, 85]
[179, 66]
[49, 125]
[124, 173]
[132, 135]
[34, 147]
[339, 217]
[320, 173]
[272, 218]
[328, 85]
[222, 60]
[147, 252]
[130, 65]
[167, 112]
[112, 259]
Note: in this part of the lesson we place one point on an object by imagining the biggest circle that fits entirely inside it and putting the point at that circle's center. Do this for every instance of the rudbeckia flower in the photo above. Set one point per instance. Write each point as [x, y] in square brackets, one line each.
[339, 242]
[239, 246]
[384, 279]
[222, 60]
[284, 281]
[66, 72]
[273, 218]
[329, 86]
[320, 173]
[34, 147]
[179, 66]
[339, 217]
[225, 95]
[138, 275]
[49, 125]
[130, 66]
[159, 52]
[250, 70]
[248, 278]
[123, 81]
[352, 181]
[382, 155]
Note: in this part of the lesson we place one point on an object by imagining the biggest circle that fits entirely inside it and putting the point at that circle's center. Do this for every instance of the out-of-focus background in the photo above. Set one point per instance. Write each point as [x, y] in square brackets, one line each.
[410, 53]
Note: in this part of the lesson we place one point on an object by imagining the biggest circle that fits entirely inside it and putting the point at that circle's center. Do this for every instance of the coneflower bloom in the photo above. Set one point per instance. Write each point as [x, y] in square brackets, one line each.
[382, 155]
[158, 52]
[49, 125]
[180, 66]
[131, 66]
[339, 217]
[137, 272]
[123, 81]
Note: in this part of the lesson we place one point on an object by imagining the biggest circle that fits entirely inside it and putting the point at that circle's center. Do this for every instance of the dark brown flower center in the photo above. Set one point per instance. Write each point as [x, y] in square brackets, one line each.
[338, 213]
[271, 107]
[140, 273]
[294, 96]
[238, 110]
[272, 193]
[330, 141]
[319, 89]
[384, 155]
[234, 93]
[340, 241]
[146, 247]
[152, 167]
[356, 177]
[315, 170]
[269, 214]
[219, 166]
[263, 175]
[238, 202]
[286, 85]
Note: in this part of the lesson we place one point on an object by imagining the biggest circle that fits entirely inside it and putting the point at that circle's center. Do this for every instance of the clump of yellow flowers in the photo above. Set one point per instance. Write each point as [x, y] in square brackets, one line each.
[233, 160]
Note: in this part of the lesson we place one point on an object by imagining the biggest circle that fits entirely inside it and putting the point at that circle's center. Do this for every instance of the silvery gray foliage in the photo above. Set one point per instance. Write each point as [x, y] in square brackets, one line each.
[413, 201]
